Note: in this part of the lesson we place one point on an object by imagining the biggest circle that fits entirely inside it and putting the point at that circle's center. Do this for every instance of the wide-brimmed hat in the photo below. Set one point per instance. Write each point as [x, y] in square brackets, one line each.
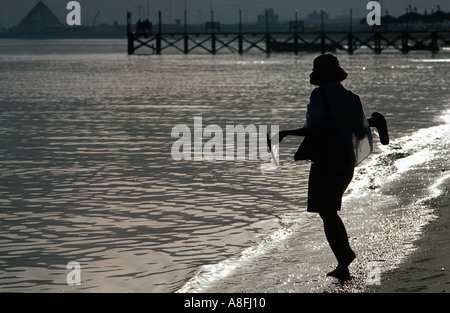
[326, 70]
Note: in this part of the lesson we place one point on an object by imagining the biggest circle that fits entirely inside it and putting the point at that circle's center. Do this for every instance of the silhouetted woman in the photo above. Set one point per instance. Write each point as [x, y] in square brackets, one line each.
[337, 138]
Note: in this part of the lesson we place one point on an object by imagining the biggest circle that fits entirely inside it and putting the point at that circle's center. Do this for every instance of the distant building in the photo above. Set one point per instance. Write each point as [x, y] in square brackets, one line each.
[315, 18]
[40, 22]
[39, 19]
[273, 19]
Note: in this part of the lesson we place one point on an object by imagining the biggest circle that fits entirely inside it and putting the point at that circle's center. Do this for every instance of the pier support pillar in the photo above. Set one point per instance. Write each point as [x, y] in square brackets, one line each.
[158, 44]
[351, 44]
[268, 37]
[186, 37]
[268, 43]
[241, 44]
[323, 48]
[404, 42]
[130, 35]
[130, 44]
[158, 35]
[240, 37]
[378, 42]
[434, 42]
[296, 44]
[186, 44]
[213, 44]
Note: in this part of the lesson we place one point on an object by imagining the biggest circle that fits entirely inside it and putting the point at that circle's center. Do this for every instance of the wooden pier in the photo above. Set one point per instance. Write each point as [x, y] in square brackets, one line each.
[212, 40]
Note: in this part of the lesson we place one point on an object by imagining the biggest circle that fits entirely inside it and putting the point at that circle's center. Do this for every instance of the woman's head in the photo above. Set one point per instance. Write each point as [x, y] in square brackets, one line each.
[327, 70]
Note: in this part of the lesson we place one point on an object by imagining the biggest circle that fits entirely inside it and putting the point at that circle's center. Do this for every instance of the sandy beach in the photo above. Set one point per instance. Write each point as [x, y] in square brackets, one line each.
[427, 269]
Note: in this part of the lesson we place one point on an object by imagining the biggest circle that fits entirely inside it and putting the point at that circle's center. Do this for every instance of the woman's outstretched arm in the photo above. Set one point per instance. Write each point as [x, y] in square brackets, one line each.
[295, 132]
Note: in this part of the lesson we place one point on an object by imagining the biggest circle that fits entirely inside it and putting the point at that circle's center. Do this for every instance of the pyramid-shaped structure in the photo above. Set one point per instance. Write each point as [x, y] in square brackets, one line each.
[39, 17]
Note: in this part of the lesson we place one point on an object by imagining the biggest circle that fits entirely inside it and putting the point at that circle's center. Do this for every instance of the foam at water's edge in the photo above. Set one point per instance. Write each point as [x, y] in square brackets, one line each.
[208, 274]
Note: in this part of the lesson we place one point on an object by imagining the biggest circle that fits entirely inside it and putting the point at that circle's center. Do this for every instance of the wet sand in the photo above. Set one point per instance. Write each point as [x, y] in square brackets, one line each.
[427, 269]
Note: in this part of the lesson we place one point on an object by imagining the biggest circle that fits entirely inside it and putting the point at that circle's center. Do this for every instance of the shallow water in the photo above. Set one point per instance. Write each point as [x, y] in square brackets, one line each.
[87, 173]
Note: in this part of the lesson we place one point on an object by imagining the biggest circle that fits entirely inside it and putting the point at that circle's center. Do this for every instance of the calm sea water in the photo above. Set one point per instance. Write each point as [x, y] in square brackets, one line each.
[87, 173]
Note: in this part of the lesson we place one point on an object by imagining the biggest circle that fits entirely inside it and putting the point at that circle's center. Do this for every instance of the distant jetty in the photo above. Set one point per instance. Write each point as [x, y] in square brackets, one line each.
[293, 37]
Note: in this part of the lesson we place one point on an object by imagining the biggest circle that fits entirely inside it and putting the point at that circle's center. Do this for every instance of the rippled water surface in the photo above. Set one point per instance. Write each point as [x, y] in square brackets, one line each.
[87, 173]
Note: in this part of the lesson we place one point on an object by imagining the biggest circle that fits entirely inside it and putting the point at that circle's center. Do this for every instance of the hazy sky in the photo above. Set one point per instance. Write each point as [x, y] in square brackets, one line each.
[12, 12]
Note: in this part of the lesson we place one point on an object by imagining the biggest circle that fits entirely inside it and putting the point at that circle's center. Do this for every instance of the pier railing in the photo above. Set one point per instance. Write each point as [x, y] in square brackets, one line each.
[212, 39]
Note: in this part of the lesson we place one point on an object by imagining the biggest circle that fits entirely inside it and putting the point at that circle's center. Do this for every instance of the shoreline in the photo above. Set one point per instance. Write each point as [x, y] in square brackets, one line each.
[426, 270]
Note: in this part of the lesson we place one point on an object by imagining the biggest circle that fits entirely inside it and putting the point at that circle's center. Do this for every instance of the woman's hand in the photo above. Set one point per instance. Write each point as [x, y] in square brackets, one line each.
[281, 135]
